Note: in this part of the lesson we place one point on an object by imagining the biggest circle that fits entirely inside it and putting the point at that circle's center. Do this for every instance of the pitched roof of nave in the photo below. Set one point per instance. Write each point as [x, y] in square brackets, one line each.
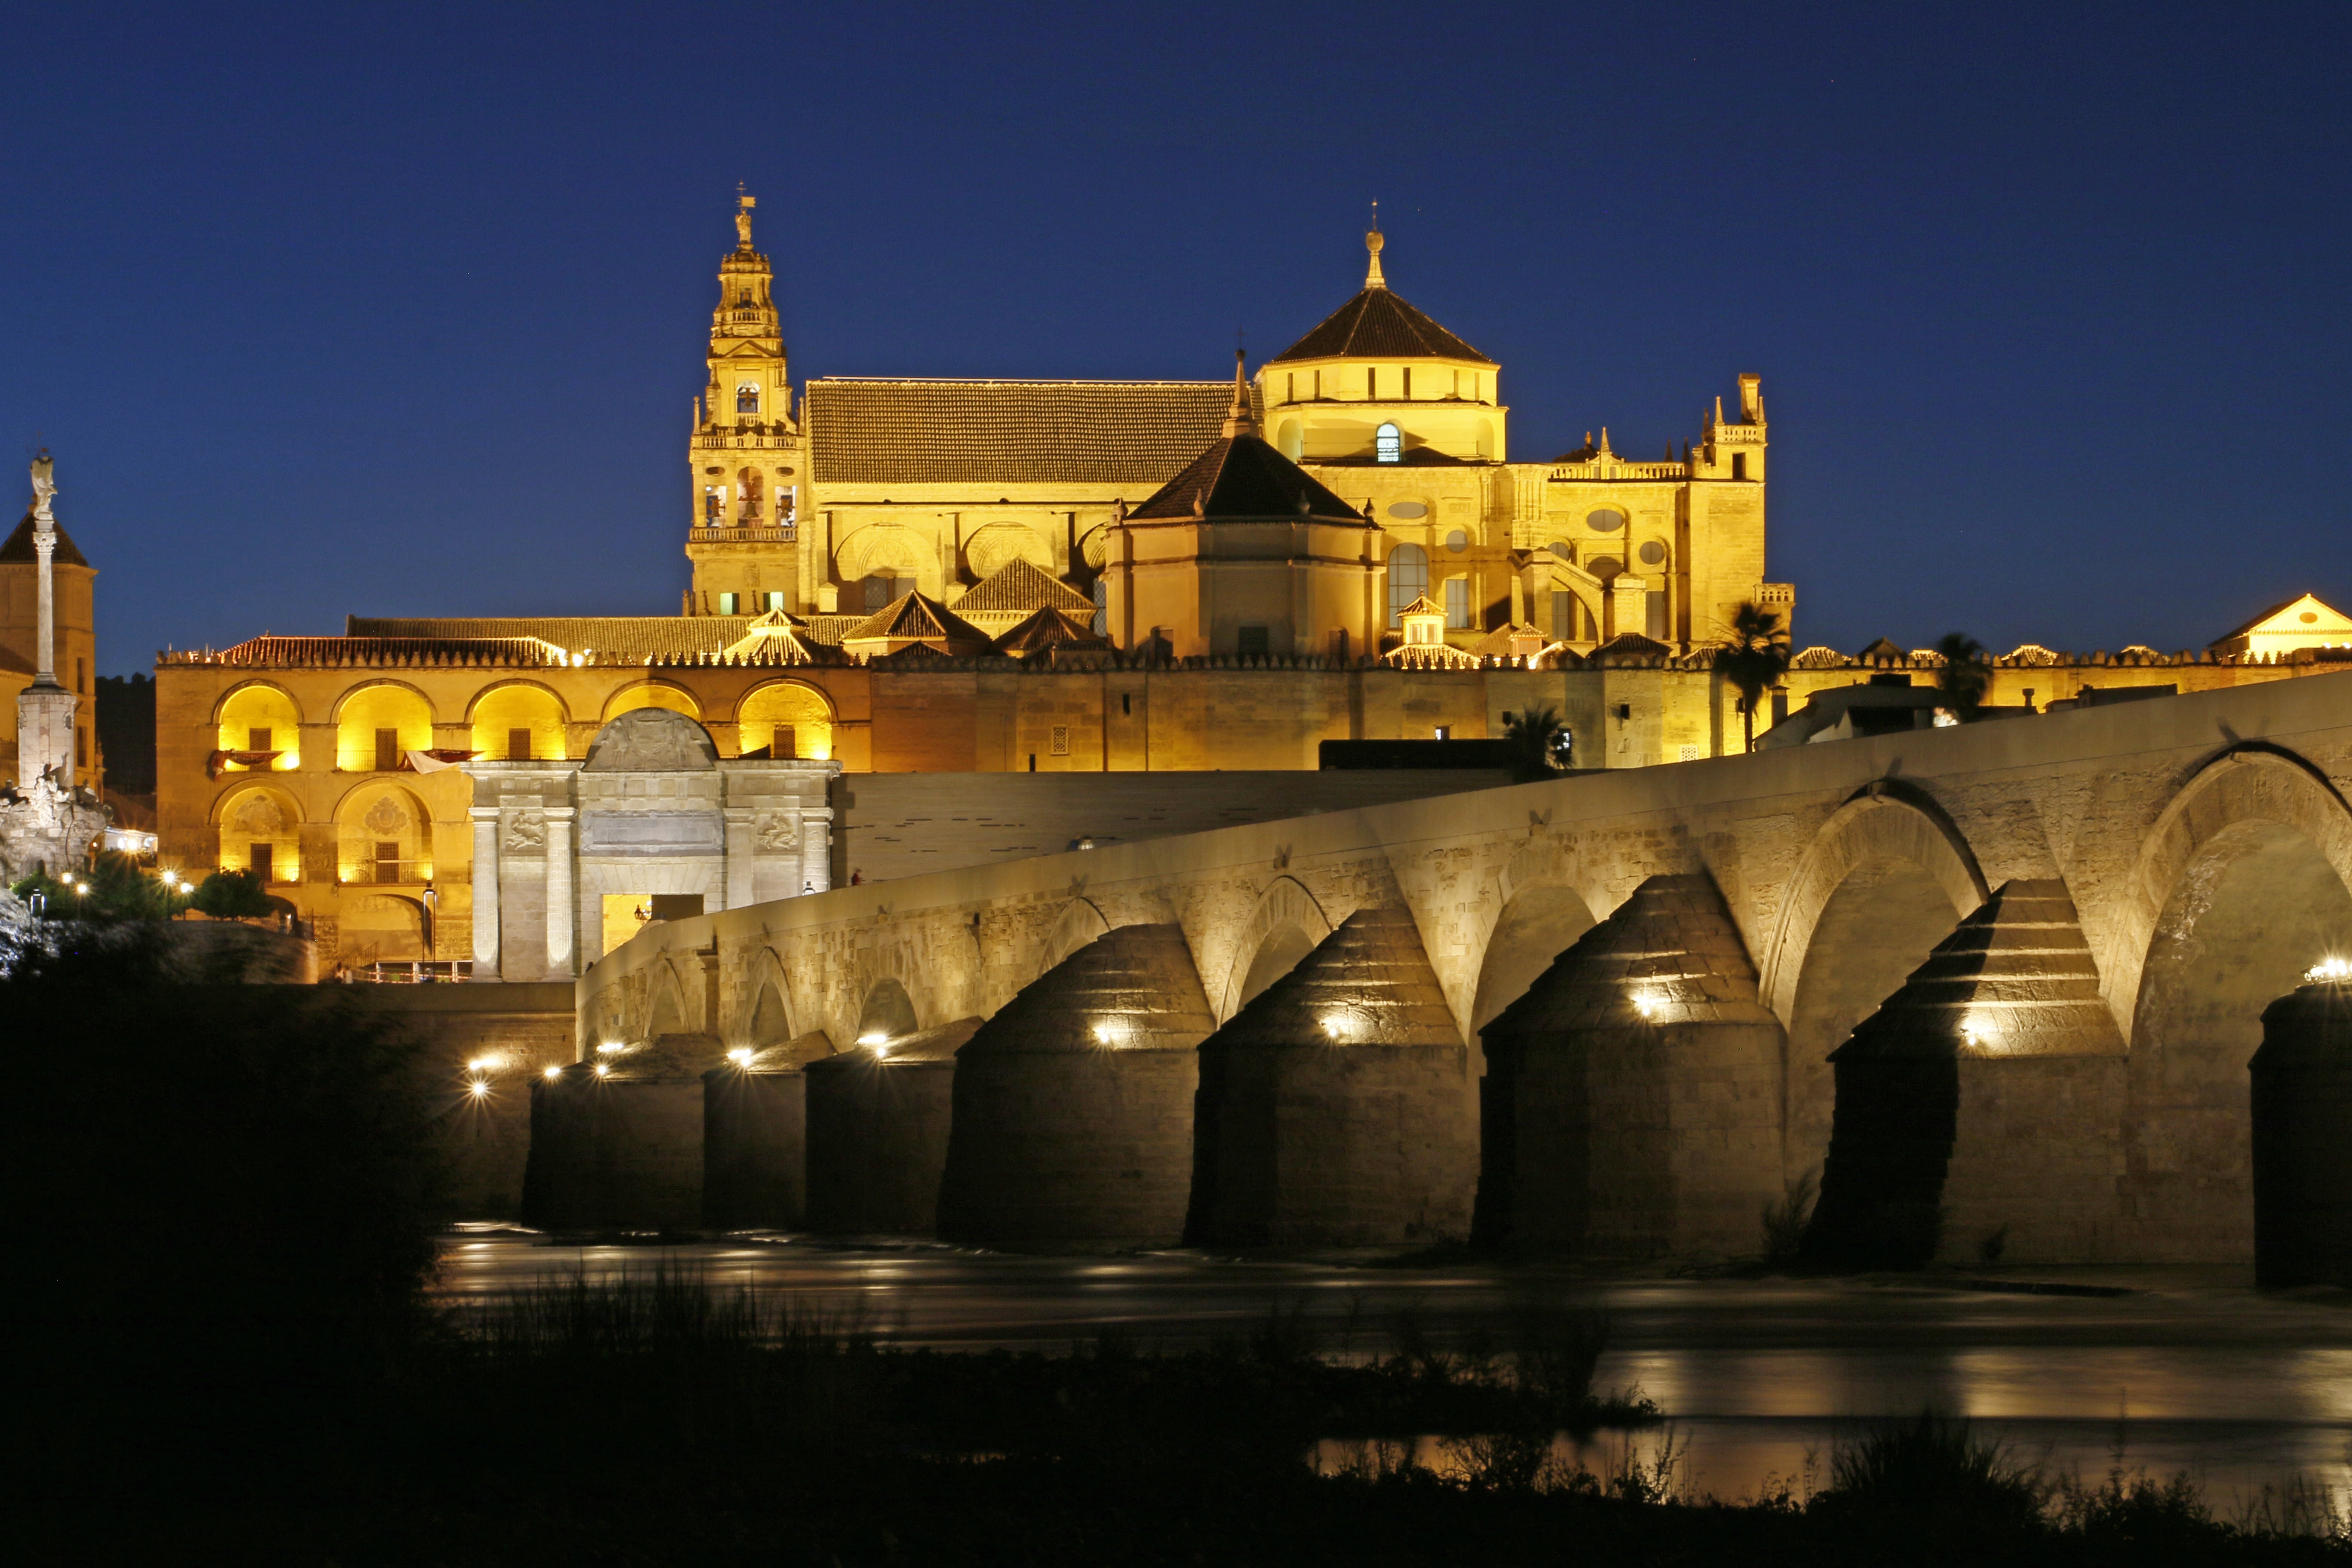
[19, 546]
[1242, 476]
[1377, 324]
[882, 431]
[1018, 586]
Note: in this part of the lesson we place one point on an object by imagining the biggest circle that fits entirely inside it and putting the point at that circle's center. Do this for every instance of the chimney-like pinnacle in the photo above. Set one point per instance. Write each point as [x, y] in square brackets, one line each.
[1239, 421]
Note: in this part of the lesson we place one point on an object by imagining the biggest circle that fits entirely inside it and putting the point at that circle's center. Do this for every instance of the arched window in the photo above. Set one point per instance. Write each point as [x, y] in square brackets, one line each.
[747, 486]
[747, 400]
[788, 719]
[1408, 578]
[1388, 443]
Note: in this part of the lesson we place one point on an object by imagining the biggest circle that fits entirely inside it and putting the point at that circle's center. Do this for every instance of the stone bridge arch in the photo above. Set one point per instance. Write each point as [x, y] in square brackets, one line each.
[668, 1008]
[769, 1011]
[1543, 904]
[1883, 880]
[1081, 922]
[2243, 882]
[1283, 928]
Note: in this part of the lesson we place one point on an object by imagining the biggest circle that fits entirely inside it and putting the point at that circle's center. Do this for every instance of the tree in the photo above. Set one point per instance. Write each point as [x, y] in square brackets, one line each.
[231, 895]
[1753, 661]
[1542, 741]
[1966, 672]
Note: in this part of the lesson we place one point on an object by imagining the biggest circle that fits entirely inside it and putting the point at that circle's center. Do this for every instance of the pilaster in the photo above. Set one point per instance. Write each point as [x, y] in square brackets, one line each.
[486, 893]
[562, 903]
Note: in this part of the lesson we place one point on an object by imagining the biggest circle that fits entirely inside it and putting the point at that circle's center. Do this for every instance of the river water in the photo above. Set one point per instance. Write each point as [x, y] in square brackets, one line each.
[2175, 1369]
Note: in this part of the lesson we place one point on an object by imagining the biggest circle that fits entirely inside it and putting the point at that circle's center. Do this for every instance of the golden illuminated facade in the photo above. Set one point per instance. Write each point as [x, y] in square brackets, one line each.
[976, 577]
[869, 487]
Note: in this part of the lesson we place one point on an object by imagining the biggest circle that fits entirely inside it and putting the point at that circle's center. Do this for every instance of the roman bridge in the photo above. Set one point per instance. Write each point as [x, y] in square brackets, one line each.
[1598, 1009]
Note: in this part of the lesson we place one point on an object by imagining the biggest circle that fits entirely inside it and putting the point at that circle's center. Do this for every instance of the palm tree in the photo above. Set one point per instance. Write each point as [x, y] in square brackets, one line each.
[1753, 659]
[1966, 672]
[1542, 741]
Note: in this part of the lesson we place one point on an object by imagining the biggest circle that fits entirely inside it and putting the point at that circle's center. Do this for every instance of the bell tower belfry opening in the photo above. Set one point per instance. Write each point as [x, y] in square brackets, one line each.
[747, 460]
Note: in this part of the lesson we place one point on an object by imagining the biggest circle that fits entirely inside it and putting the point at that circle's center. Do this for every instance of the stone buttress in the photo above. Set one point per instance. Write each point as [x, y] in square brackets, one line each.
[2303, 1137]
[1633, 1094]
[1337, 1109]
[1074, 1102]
[1980, 1111]
[878, 1134]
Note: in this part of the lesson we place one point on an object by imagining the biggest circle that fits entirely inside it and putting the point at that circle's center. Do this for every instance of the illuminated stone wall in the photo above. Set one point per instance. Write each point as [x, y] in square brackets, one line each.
[2162, 822]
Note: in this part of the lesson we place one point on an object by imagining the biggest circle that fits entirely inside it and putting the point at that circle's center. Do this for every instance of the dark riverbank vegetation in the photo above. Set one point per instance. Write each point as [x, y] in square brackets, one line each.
[221, 1347]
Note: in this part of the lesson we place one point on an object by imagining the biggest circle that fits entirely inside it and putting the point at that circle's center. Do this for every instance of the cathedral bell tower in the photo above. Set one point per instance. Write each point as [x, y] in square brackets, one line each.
[748, 461]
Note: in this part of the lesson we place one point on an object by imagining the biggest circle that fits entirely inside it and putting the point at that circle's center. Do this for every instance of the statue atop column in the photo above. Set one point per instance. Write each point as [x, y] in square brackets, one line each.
[46, 820]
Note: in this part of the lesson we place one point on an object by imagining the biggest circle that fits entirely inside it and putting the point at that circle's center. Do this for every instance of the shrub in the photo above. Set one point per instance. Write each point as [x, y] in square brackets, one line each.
[233, 895]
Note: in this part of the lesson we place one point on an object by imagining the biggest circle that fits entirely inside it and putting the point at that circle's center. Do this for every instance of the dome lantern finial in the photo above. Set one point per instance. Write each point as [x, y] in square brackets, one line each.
[1372, 242]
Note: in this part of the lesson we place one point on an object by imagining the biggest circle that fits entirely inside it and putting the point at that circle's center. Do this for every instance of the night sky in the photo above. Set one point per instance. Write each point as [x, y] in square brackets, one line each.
[399, 310]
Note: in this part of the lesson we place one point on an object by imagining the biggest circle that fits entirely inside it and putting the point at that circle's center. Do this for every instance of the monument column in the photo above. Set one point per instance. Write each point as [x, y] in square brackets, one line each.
[44, 710]
[561, 946]
[486, 893]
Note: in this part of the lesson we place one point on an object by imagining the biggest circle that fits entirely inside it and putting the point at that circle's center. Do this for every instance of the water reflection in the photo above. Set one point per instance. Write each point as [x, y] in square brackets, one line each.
[2203, 1374]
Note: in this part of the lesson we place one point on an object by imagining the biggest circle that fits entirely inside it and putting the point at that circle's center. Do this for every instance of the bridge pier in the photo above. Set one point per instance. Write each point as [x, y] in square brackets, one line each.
[613, 1155]
[878, 1134]
[754, 1150]
[2303, 1137]
[1336, 1109]
[755, 1131]
[1633, 1095]
[1073, 1104]
[1980, 1109]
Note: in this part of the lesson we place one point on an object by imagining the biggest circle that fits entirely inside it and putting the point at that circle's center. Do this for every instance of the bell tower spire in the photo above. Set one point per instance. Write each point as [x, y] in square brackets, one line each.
[746, 456]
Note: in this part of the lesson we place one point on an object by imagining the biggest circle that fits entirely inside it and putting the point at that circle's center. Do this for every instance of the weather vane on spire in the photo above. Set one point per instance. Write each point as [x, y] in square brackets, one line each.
[743, 206]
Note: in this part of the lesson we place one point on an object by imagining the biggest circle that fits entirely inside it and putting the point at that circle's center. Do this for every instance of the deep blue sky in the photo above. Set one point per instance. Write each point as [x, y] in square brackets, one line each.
[399, 310]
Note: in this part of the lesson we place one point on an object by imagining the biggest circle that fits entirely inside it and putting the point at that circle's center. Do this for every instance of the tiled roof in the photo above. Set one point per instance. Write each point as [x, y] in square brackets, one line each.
[915, 617]
[827, 630]
[297, 653]
[19, 546]
[774, 638]
[1631, 644]
[1008, 432]
[1376, 324]
[1051, 628]
[1019, 586]
[609, 637]
[1242, 476]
